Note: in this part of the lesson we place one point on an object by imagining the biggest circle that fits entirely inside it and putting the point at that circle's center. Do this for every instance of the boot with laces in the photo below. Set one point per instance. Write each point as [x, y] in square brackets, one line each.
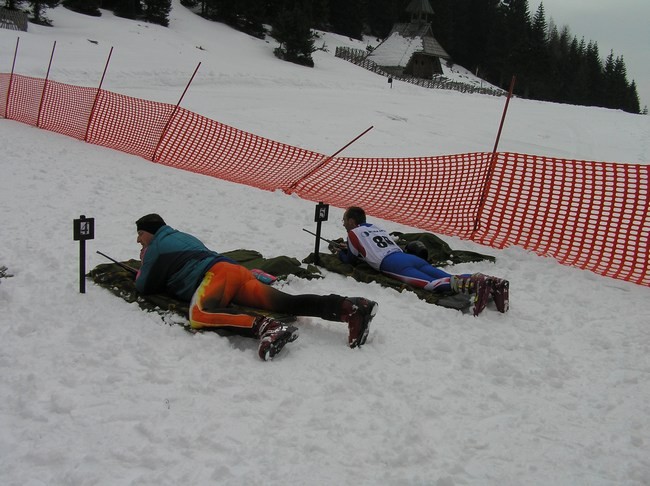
[500, 290]
[358, 312]
[273, 335]
[477, 285]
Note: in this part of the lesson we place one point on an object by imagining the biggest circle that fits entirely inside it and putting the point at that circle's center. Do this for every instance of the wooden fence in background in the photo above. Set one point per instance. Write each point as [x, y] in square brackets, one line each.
[359, 57]
[13, 19]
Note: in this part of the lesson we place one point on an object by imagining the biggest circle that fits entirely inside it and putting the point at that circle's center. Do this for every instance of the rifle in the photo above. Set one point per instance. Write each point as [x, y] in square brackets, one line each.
[336, 244]
[125, 267]
[324, 239]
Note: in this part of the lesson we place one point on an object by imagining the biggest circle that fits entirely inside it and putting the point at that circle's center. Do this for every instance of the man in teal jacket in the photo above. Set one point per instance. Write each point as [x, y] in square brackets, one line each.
[181, 265]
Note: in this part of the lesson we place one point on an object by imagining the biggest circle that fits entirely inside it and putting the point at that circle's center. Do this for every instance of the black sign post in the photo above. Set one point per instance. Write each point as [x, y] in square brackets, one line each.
[322, 211]
[83, 229]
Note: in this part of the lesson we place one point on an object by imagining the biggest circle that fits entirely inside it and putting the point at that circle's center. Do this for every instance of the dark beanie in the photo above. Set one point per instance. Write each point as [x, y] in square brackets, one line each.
[150, 223]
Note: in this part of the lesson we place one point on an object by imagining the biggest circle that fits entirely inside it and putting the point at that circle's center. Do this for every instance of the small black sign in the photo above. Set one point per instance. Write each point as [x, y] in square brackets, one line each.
[84, 228]
[322, 211]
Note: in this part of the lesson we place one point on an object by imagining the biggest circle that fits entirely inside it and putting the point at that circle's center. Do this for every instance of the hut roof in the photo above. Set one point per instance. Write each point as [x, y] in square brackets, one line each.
[405, 40]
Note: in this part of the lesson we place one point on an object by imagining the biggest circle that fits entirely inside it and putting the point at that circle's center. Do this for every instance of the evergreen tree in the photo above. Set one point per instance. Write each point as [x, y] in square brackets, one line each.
[620, 94]
[86, 7]
[321, 14]
[222, 10]
[381, 15]
[38, 8]
[610, 81]
[517, 34]
[346, 17]
[595, 88]
[157, 11]
[560, 67]
[244, 15]
[292, 29]
[194, 3]
[618, 89]
[480, 33]
[251, 17]
[442, 24]
[459, 39]
[13, 4]
[107, 4]
[129, 9]
[539, 74]
[632, 104]
[494, 66]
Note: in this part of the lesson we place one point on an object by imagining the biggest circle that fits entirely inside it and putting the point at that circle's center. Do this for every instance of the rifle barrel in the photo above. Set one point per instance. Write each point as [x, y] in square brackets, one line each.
[312, 233]
[125, 267]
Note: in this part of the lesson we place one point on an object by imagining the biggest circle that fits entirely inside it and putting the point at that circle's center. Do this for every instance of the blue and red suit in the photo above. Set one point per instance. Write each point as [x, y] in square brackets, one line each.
[377, 248]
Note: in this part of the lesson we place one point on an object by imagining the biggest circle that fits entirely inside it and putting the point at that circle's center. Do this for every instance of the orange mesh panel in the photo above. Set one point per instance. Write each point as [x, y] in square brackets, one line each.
[66, 109]
[25, 97]
[128, 124]
[592, 215]
[198, 144]
[438, 194]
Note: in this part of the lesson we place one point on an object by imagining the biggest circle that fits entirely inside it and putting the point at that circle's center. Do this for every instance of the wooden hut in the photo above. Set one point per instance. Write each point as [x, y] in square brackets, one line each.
[410, 48]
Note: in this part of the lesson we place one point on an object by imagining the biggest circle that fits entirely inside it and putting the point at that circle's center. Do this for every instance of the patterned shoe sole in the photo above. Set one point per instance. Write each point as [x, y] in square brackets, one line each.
[482, 289]
[365, 329]
[289, 336]
[373, 311]
[501, 294]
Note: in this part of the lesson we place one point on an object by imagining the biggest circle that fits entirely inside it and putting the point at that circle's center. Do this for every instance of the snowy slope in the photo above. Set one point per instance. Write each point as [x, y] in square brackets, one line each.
[96, 392]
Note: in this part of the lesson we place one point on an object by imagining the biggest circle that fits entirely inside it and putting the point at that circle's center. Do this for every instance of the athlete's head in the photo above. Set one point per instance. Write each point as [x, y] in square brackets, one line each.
[353, 217]
[147, 226]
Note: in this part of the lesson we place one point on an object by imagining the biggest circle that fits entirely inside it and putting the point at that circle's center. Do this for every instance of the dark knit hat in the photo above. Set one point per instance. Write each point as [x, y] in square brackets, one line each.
[150, 223]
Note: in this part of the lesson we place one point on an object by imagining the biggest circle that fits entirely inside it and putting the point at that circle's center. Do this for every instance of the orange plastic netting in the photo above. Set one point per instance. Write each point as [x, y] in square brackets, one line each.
[592, 215]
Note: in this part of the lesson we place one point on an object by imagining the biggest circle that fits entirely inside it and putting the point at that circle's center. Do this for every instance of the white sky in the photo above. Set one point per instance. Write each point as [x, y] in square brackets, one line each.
[621, 26]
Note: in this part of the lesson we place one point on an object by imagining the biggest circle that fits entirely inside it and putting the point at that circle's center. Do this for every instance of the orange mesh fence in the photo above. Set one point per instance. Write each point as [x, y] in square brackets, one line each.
[128, 124]
[439, 194]
[193, 142]
[25, 95]
[593, 215]
[66, 109]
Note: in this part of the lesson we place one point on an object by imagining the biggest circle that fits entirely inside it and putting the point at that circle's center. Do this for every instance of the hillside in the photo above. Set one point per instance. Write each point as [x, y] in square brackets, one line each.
[97, 392]
[246, 86]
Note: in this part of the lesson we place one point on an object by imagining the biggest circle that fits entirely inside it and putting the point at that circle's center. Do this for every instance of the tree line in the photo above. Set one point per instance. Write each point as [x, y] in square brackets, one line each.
[495, 39]
[154, 11]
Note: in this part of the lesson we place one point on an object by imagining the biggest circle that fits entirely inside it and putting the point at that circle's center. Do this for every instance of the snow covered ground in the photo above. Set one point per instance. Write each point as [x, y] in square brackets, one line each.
[97, 392]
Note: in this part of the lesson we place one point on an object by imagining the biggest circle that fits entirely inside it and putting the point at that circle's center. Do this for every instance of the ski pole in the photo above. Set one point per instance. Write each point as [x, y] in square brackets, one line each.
[125, 267]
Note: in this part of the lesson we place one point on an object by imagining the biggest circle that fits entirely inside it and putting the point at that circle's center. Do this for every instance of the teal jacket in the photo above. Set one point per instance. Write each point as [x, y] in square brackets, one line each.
[175, 263]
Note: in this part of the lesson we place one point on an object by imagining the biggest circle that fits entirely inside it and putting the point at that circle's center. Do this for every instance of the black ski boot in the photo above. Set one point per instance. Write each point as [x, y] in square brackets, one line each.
[358, 312]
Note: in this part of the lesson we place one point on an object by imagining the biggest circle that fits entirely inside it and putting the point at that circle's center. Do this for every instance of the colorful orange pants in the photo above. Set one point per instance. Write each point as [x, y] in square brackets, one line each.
[227, 283]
